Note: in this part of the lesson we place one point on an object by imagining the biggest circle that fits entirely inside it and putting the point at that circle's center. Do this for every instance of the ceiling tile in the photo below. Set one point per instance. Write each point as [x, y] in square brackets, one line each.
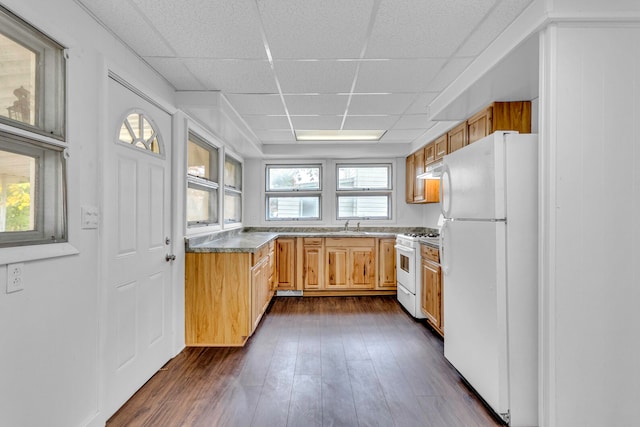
[316, 104]
[369, 122]
[380, 104]
[234, 76]
[411, 75]
[318, 29]
[175, 71]
[413, 121]
[276, 136]
[256, 104]
[207, 28]
[316, 122]
[420, 105]
[404, 135]
[423, 28]
[130, 25]
[494, 24]
[315, 76]
[267, 122]
[449, 73]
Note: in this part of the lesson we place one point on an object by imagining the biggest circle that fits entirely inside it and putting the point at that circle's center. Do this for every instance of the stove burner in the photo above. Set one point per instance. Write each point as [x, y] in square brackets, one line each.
[419, 235]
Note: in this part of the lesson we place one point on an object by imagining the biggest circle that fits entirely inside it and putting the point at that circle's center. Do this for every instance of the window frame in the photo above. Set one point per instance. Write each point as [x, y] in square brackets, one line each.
[50, 78]
[232, 191]
[293, 193]
[203, 184]
[363, 191]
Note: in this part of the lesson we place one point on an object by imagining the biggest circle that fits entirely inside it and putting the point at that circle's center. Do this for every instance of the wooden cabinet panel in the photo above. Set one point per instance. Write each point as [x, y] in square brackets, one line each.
[429, 153]
[515, 115]
[418, 168]
[431, 299]
[457, 137]
[260, 291]
[480, 125]
[362, 267]
[312, 267]
[410, 179]
[440, 147]
[285, 263]
[337, 267]
[386, 264]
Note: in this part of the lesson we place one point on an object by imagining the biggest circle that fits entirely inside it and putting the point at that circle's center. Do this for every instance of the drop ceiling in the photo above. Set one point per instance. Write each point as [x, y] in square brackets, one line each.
[287, 65]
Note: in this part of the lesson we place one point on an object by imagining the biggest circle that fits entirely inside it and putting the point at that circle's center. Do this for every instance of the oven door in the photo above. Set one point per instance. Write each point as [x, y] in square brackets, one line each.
[405, 268]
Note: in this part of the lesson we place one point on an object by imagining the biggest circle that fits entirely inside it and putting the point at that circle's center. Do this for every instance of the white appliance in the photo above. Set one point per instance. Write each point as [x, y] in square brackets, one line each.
[489, 263]
[408, 272]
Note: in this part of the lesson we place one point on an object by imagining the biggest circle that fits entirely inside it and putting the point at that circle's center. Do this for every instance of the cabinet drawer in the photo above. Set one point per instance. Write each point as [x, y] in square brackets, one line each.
[429, 253]
[312, 241]
[262, 252]
[350, 241]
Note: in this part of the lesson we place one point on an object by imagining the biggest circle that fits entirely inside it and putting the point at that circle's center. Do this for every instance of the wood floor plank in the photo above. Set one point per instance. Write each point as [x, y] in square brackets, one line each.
[330, 361]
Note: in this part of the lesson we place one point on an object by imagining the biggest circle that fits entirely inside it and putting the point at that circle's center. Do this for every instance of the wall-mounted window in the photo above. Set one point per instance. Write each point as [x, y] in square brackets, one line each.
[202, 182]
[32, 168]
[32, 192]
[363, 191]
[32, 78]
[293, 192]
[232, 190]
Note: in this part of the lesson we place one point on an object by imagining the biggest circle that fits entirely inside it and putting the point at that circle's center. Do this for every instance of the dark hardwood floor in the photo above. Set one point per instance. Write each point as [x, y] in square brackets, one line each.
[330, 361]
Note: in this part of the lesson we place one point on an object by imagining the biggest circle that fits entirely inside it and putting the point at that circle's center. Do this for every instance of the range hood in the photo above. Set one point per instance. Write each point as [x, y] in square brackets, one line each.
[433, 171]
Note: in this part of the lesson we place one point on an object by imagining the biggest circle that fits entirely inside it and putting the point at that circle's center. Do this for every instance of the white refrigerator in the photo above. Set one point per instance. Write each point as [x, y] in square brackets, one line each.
[489, 262]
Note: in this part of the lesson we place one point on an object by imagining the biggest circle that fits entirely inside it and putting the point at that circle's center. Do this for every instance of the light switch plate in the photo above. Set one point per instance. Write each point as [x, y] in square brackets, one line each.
[89, 217]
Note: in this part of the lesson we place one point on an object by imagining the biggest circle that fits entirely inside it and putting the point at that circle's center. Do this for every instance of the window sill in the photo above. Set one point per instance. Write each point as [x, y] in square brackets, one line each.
[35, 252]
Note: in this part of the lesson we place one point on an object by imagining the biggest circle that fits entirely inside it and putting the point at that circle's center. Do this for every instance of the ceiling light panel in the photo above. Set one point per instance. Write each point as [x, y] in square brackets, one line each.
[234, 76]
[339, 135]
[324, 76]
[327, 29]
[423, 28]
[399, 75]
[233, 26]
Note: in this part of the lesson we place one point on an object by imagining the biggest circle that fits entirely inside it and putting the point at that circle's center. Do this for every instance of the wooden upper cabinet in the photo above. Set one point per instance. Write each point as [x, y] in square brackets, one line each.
[440, 147]
[418, 167]
[500, 116]
[457, 137]
[429, 153]
[410, 179]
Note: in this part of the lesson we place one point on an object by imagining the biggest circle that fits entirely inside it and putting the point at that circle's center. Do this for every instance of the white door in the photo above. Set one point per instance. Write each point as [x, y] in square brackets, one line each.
[475, 305]
[136, 231]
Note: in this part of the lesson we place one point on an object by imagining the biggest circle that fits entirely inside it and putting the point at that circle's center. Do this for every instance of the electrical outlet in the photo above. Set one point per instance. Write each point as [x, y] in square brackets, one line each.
[15, 279]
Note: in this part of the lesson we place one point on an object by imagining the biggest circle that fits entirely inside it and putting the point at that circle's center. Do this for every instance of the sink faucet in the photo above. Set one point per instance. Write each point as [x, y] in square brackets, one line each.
[346, 226]
[358, 227]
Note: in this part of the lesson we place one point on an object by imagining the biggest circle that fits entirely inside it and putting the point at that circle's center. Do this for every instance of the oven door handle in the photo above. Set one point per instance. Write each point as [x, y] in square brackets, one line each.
[400, 288]
[403, 248]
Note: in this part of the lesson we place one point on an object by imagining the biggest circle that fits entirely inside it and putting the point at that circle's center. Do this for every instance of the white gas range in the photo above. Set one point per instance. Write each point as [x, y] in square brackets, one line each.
[408, 271]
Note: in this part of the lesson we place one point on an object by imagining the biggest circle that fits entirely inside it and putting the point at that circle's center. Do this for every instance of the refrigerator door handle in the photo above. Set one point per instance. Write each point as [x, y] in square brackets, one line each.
[445, 191]
[444, 265]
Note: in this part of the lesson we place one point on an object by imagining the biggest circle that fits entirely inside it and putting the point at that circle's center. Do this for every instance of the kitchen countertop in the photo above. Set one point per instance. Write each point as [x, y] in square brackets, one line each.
[251, 241]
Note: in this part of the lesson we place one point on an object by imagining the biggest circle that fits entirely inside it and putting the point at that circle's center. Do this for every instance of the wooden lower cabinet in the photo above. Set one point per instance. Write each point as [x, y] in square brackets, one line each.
[226, 295]
[286, 263]
[312, 264]
[350, 263]
[386, 264]
[431, 289]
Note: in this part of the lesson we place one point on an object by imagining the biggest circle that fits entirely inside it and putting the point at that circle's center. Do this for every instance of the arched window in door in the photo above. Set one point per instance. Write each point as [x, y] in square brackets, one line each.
[138, 131]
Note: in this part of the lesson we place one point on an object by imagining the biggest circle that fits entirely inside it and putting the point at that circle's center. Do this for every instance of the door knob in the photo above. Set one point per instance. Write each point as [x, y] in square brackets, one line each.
[170, 257]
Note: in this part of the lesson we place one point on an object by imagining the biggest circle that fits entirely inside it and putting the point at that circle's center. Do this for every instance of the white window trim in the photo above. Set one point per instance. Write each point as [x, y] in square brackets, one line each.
[389, 192]
[196, 230]
[225, 189]
[293, 193]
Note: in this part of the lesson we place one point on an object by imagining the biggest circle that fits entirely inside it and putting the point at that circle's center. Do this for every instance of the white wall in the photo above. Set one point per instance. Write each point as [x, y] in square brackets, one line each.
[49, 332]
[590, 245]
[405, 215]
